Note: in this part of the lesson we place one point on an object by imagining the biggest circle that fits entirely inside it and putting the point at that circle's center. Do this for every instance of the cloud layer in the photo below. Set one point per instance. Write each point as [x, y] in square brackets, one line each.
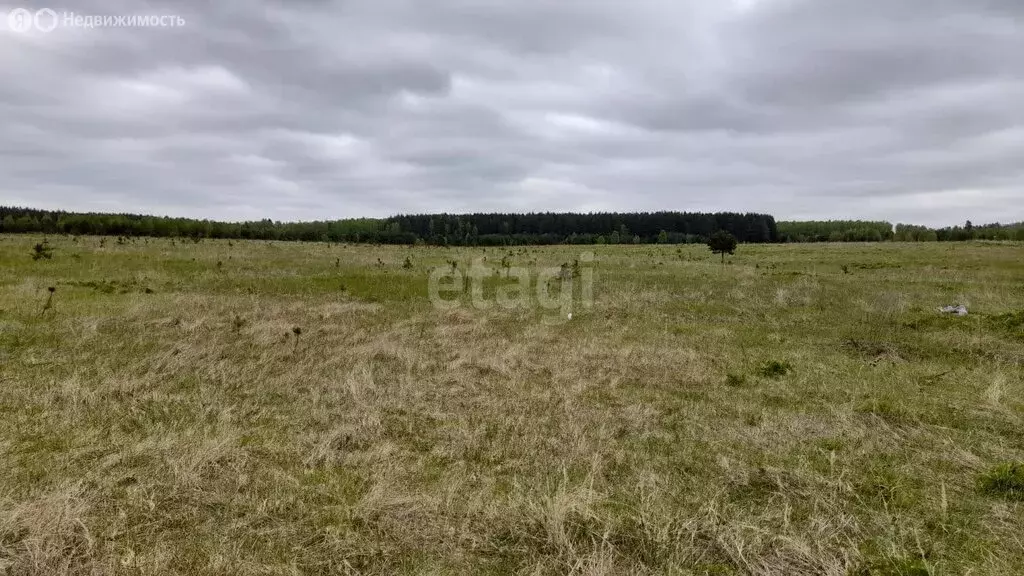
[907, 110]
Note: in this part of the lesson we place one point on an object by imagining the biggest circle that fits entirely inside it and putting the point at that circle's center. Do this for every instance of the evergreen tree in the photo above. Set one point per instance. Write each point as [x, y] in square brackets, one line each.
[723, 243]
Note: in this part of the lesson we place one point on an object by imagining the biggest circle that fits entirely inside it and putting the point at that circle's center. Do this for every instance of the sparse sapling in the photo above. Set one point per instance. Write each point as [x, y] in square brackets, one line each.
[42, 251]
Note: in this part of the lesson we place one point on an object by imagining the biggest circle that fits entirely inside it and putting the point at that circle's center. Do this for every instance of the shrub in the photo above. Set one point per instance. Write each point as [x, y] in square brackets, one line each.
[774, 369]
[42, 250]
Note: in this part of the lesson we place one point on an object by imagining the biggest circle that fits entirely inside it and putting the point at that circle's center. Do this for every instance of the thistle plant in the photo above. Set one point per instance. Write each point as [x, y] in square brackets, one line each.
[49, 300]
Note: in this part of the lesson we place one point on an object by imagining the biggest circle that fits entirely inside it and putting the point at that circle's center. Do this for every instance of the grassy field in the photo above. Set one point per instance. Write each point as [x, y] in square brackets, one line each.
[271, 408]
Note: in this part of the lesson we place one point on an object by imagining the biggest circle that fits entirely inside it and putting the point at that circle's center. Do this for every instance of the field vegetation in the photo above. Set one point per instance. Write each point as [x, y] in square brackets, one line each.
[172, 406]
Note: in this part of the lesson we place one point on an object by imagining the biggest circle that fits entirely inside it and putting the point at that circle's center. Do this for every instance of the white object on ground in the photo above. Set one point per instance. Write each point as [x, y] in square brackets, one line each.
[959, 310]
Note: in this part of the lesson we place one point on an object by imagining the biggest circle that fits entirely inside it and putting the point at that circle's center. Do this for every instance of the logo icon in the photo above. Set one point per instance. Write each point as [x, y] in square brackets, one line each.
[46, 20]
[20, 20]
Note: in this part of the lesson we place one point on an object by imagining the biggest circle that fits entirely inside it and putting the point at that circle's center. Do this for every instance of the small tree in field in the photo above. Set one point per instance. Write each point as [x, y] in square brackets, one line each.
[42, 251]
[723, 243]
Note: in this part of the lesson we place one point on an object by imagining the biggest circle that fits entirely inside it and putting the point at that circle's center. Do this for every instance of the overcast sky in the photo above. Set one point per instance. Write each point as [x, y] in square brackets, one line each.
[905, 110]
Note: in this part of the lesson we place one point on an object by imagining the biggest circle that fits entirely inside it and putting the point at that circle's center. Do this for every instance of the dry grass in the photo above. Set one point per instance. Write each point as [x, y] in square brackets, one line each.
[162, 419]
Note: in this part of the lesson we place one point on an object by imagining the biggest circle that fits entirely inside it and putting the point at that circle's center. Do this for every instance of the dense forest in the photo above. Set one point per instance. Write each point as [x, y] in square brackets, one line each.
[835, 231]
[436, 229]
[600, 228]
[503, 229]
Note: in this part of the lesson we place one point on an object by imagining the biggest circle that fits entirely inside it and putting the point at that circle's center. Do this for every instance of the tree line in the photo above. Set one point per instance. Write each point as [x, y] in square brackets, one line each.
[909, 233]
[861, 231]
[595, 228]
[434, 229]
[835, 231]
[503, 229]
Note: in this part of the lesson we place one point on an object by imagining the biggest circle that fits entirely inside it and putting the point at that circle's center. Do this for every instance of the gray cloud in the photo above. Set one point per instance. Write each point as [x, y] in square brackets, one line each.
[907, 110]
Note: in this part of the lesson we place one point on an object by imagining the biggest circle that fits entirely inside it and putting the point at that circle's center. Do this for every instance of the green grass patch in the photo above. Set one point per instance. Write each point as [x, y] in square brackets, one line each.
[1005, 480]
